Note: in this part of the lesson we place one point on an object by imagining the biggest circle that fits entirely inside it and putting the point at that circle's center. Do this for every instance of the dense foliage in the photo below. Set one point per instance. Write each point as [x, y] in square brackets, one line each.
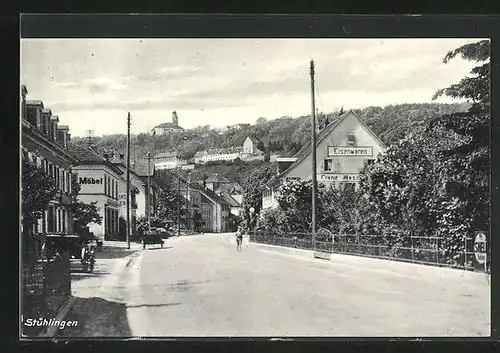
[38, 189]
[285, 135]
[252, 187]
[432, 181]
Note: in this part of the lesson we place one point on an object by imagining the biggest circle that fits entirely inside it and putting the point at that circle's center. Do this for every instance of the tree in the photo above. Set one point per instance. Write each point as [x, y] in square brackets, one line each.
[252, 186]
[294, 198]
[83, 214]
[465, 166]
[38, 189]
[197, 221]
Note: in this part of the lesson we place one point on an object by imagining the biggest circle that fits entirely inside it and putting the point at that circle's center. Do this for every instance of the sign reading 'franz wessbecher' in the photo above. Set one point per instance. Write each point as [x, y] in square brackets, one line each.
[350, 151]
[338, 177]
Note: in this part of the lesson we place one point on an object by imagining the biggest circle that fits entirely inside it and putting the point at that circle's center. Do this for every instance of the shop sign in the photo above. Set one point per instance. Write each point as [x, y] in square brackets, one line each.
[335, 151]
[332, 177]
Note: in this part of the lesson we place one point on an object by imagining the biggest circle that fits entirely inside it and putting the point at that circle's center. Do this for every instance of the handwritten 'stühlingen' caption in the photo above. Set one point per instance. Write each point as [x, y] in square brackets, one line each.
[41, 322]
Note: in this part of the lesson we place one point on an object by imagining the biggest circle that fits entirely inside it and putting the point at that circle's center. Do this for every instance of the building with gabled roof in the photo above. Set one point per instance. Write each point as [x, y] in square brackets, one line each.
[343, 148]
[169, 160]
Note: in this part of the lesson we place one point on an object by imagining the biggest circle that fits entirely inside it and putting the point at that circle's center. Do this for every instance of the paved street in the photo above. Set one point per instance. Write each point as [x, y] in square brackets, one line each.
[201, 286]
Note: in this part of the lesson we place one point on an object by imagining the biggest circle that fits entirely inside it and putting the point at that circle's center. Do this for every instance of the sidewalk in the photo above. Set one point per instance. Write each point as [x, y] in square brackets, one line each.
[97, 304]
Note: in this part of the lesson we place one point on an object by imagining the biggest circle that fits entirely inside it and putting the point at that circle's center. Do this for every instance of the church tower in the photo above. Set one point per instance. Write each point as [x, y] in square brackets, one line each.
[175, 119]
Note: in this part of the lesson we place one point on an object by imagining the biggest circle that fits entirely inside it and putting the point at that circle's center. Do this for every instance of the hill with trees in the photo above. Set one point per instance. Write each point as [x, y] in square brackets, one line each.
[283, 136]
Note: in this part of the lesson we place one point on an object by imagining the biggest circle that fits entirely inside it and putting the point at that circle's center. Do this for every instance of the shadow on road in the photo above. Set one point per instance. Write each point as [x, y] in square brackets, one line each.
[152, 305]
[77, 275]
[113, 253]
[164, 248]
[96, 317]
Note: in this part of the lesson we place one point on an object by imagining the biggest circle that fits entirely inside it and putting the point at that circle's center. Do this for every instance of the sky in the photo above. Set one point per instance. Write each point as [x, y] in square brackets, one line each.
[91, 84]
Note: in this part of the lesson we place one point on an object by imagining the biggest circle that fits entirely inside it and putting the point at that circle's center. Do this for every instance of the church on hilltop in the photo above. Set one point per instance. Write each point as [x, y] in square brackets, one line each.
[167, 128]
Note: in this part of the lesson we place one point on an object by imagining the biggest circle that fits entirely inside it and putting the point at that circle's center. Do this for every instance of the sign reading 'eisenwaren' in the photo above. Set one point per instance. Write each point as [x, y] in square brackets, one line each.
[350, 151]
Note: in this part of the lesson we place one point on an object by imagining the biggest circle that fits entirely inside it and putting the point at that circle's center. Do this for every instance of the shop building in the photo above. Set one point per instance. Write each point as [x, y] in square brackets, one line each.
[99, 182]
[343, 148]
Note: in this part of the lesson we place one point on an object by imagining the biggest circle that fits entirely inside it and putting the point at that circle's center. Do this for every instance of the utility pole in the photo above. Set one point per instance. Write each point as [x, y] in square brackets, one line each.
[149, 191]
[178, 206]
[90, 134]
[313, 146]
[128, 181]
[188, 200]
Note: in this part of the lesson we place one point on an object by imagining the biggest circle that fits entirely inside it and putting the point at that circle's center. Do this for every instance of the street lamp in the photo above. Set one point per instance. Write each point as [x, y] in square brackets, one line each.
[149, 190]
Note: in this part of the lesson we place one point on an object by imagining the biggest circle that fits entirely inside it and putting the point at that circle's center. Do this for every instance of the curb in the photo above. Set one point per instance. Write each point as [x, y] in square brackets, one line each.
[63, 311]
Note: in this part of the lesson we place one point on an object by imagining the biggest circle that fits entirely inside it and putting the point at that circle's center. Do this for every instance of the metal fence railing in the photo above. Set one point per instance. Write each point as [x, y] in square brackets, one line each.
[46, 286]
[414, 249]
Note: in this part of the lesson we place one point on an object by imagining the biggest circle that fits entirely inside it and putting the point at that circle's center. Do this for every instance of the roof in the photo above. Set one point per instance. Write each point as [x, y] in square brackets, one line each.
[209, 193]
[84, 155]
[168, 126]
[232, 202]
[141, 168]
[167, 154]
[228, 188]
[88, 156]
[217, 178]
[306, 149]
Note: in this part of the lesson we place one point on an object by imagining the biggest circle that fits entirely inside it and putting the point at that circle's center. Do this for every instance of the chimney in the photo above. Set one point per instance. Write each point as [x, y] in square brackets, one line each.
[175, 119]
[24, 92]
[63, 135]
[284, 164]
[46, 123]
[54, 120]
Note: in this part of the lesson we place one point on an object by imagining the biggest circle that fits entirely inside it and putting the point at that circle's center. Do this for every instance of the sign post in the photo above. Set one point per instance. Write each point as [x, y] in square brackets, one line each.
[480, 249]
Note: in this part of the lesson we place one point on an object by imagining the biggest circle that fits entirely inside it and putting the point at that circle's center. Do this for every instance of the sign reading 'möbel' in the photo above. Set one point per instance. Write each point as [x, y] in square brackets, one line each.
[350, 151]
[90, 181]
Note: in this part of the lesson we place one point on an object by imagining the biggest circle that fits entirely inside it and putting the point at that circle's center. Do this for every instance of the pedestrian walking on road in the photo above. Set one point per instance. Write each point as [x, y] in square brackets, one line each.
[239, 239]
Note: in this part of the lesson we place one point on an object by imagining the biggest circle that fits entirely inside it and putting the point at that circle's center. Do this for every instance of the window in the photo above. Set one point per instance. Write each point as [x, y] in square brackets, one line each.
[351, 139]
[63, 180]
[50, 219]
[64, 221]
[56, 177]
[105, 184]
[331, 165]
[109, 187]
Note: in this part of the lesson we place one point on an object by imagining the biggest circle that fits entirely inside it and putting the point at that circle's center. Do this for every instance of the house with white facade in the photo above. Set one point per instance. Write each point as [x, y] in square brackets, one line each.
[344, 147]
[99, 182]
[168, 160]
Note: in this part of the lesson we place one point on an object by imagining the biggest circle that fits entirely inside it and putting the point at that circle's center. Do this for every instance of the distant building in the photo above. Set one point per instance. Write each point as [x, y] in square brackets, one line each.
[344, 147]
[248, 151]
[218, 155]
[250, 146]
[167, 128]
[168, 160]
